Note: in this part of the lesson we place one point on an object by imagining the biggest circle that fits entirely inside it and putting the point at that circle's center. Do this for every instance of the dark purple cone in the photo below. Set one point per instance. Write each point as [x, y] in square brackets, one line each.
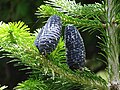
[75, 50]
[49, 35]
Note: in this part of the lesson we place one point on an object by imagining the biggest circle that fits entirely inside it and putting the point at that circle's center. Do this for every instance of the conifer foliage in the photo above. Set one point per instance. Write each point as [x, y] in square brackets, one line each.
[49, 67]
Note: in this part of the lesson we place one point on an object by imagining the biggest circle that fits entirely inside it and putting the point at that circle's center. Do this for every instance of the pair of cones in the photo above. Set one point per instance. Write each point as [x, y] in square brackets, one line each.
[49, 36]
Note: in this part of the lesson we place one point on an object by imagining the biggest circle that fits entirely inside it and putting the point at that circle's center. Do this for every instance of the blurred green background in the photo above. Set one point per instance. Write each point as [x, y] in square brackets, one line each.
[24, 10]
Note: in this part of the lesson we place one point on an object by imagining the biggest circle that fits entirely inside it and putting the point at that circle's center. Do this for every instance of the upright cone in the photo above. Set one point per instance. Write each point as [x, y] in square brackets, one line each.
[75, 50]
[49, 35]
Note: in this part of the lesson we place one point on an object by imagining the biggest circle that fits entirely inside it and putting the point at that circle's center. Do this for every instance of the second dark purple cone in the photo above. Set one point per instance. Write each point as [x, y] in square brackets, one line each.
[75, 50]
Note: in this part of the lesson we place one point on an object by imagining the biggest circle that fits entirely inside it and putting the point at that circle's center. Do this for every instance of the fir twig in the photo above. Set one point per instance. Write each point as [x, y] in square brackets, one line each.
[46, 10]
[30, 56]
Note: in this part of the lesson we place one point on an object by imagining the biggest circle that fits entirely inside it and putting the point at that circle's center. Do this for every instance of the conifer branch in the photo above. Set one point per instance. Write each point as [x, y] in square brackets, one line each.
[3, 87]
[46, 10]
[76, 9]
[112, 46]
[29, 56]
[16, 39]
[83, 78]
